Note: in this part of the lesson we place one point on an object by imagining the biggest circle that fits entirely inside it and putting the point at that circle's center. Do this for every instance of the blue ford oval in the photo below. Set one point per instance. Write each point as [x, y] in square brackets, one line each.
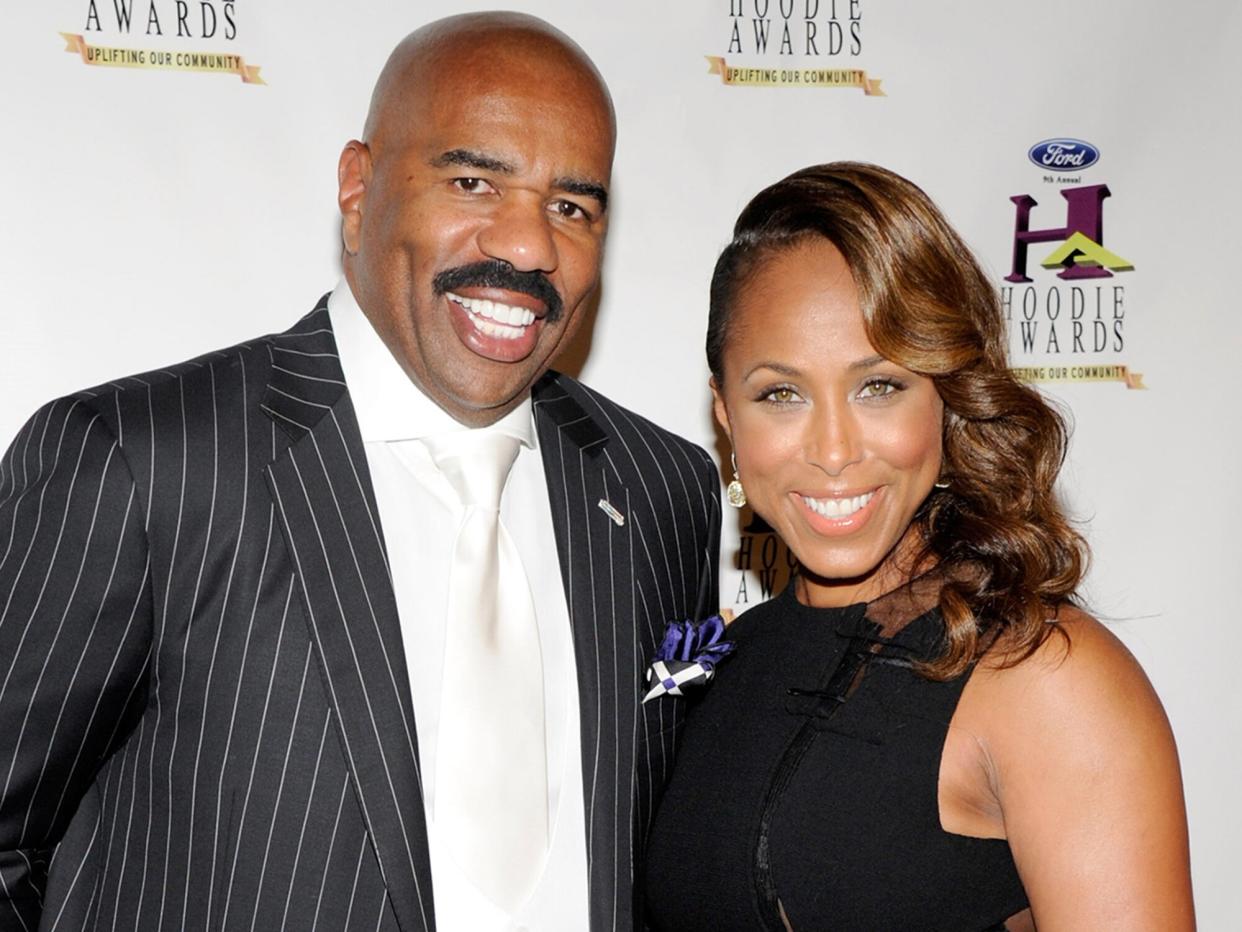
[1064, 155]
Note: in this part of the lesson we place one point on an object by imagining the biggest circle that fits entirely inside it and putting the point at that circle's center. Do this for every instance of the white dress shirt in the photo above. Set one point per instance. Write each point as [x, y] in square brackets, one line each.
[420, 512]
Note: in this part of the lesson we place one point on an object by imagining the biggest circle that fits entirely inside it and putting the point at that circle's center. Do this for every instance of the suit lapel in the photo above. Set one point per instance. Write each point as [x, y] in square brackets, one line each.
[596, 561]
[323, 497]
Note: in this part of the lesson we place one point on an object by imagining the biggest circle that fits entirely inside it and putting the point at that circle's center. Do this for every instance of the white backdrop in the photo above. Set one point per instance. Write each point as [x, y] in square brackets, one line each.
[154, 214]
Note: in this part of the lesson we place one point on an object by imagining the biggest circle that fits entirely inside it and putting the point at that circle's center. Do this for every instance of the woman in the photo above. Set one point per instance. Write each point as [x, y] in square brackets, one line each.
[923, 731]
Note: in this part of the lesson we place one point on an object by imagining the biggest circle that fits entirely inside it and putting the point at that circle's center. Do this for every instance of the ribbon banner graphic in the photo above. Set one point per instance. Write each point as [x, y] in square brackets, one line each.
[1100, 373]
[161, 60]
[793, 77]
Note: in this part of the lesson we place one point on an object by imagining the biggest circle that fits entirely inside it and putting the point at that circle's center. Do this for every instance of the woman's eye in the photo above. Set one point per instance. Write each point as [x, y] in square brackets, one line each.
[782, 395]
[879, 388]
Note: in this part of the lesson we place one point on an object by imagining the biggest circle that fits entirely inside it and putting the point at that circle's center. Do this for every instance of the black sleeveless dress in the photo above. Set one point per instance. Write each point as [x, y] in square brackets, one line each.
[807, 779]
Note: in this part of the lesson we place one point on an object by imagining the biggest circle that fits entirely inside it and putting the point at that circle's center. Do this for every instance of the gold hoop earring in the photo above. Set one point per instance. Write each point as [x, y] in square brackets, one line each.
[735, 495]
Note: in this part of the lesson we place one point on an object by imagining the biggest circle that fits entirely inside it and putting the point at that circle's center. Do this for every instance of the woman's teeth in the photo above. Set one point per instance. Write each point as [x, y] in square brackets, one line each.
[496, 319]
[838, 507]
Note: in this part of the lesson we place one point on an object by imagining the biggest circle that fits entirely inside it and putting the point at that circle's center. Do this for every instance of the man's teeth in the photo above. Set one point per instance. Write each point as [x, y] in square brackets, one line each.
[837, 507]
[494, 318]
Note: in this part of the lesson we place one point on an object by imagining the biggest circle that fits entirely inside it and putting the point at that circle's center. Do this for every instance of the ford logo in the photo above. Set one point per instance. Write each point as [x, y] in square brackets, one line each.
[1064, 155]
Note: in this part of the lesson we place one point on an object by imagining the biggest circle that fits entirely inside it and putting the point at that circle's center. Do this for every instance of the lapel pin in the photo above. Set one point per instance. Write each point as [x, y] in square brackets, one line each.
[606, 507]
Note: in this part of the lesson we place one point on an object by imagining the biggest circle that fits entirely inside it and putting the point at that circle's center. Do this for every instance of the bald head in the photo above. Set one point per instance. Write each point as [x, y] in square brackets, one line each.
[475, 208]
[458, 54]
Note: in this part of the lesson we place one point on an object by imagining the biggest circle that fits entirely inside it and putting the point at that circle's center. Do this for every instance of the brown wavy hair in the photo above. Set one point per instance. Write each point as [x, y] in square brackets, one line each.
[1010, 558]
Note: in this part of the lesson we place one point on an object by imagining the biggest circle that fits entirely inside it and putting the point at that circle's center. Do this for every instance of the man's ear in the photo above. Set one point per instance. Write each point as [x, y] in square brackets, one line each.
[353, 174]
[719, 409]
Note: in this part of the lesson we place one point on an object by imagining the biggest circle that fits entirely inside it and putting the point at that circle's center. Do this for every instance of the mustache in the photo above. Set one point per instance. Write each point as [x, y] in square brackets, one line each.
[493, 273]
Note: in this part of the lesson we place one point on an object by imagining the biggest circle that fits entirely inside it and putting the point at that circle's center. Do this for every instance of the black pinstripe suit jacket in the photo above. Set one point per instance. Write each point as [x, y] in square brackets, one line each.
[205, 716]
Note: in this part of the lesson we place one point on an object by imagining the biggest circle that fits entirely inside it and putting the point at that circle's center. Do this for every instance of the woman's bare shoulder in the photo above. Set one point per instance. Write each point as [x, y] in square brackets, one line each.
[1080, 698]
[1083, 760]
[1080, 659]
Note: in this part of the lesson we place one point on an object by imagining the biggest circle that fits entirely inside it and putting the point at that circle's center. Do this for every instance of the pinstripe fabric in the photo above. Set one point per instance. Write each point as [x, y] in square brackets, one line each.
[205, 719]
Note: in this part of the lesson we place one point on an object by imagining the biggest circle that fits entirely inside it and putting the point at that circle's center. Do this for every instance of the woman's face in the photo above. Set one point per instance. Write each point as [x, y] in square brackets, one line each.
[836, 446]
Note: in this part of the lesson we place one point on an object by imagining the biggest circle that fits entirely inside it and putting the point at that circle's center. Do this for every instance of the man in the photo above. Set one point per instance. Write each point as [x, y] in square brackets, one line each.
[239, 609]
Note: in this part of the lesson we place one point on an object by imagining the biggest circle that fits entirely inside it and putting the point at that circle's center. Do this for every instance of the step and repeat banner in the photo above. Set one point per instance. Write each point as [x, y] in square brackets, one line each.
[170, 169]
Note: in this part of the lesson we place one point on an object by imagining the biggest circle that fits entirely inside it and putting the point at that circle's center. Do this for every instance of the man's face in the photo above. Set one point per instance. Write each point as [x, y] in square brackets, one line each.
[478, 233]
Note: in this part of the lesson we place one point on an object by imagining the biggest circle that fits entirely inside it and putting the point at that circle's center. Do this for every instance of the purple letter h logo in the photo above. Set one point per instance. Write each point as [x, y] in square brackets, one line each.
[1085, 215]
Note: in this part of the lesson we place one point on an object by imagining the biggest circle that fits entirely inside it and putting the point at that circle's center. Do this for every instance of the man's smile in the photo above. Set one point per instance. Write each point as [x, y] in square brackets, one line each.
[508, 322]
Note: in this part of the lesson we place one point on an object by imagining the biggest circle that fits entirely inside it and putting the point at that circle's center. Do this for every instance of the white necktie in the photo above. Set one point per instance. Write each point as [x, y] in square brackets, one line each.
[491, 797]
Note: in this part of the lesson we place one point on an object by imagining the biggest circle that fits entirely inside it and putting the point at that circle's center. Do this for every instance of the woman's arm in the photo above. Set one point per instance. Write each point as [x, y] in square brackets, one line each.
[1088, 782]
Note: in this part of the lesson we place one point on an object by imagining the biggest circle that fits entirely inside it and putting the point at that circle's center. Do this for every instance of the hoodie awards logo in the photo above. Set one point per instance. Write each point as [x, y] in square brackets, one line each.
[793, 43]
[175, 35]
[764, 565]
[1067, 309]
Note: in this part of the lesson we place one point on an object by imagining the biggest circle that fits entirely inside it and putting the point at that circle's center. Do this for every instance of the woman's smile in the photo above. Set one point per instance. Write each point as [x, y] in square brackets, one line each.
[839, 515]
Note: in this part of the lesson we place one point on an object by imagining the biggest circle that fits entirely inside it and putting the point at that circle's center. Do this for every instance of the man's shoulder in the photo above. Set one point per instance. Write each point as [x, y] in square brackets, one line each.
[242, 367]
[186, 376]
[568, 401]
[193, 405]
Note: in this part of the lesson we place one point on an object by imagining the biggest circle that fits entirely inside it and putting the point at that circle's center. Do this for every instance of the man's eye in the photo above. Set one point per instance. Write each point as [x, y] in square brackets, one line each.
[569, 210]
[471, 185]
